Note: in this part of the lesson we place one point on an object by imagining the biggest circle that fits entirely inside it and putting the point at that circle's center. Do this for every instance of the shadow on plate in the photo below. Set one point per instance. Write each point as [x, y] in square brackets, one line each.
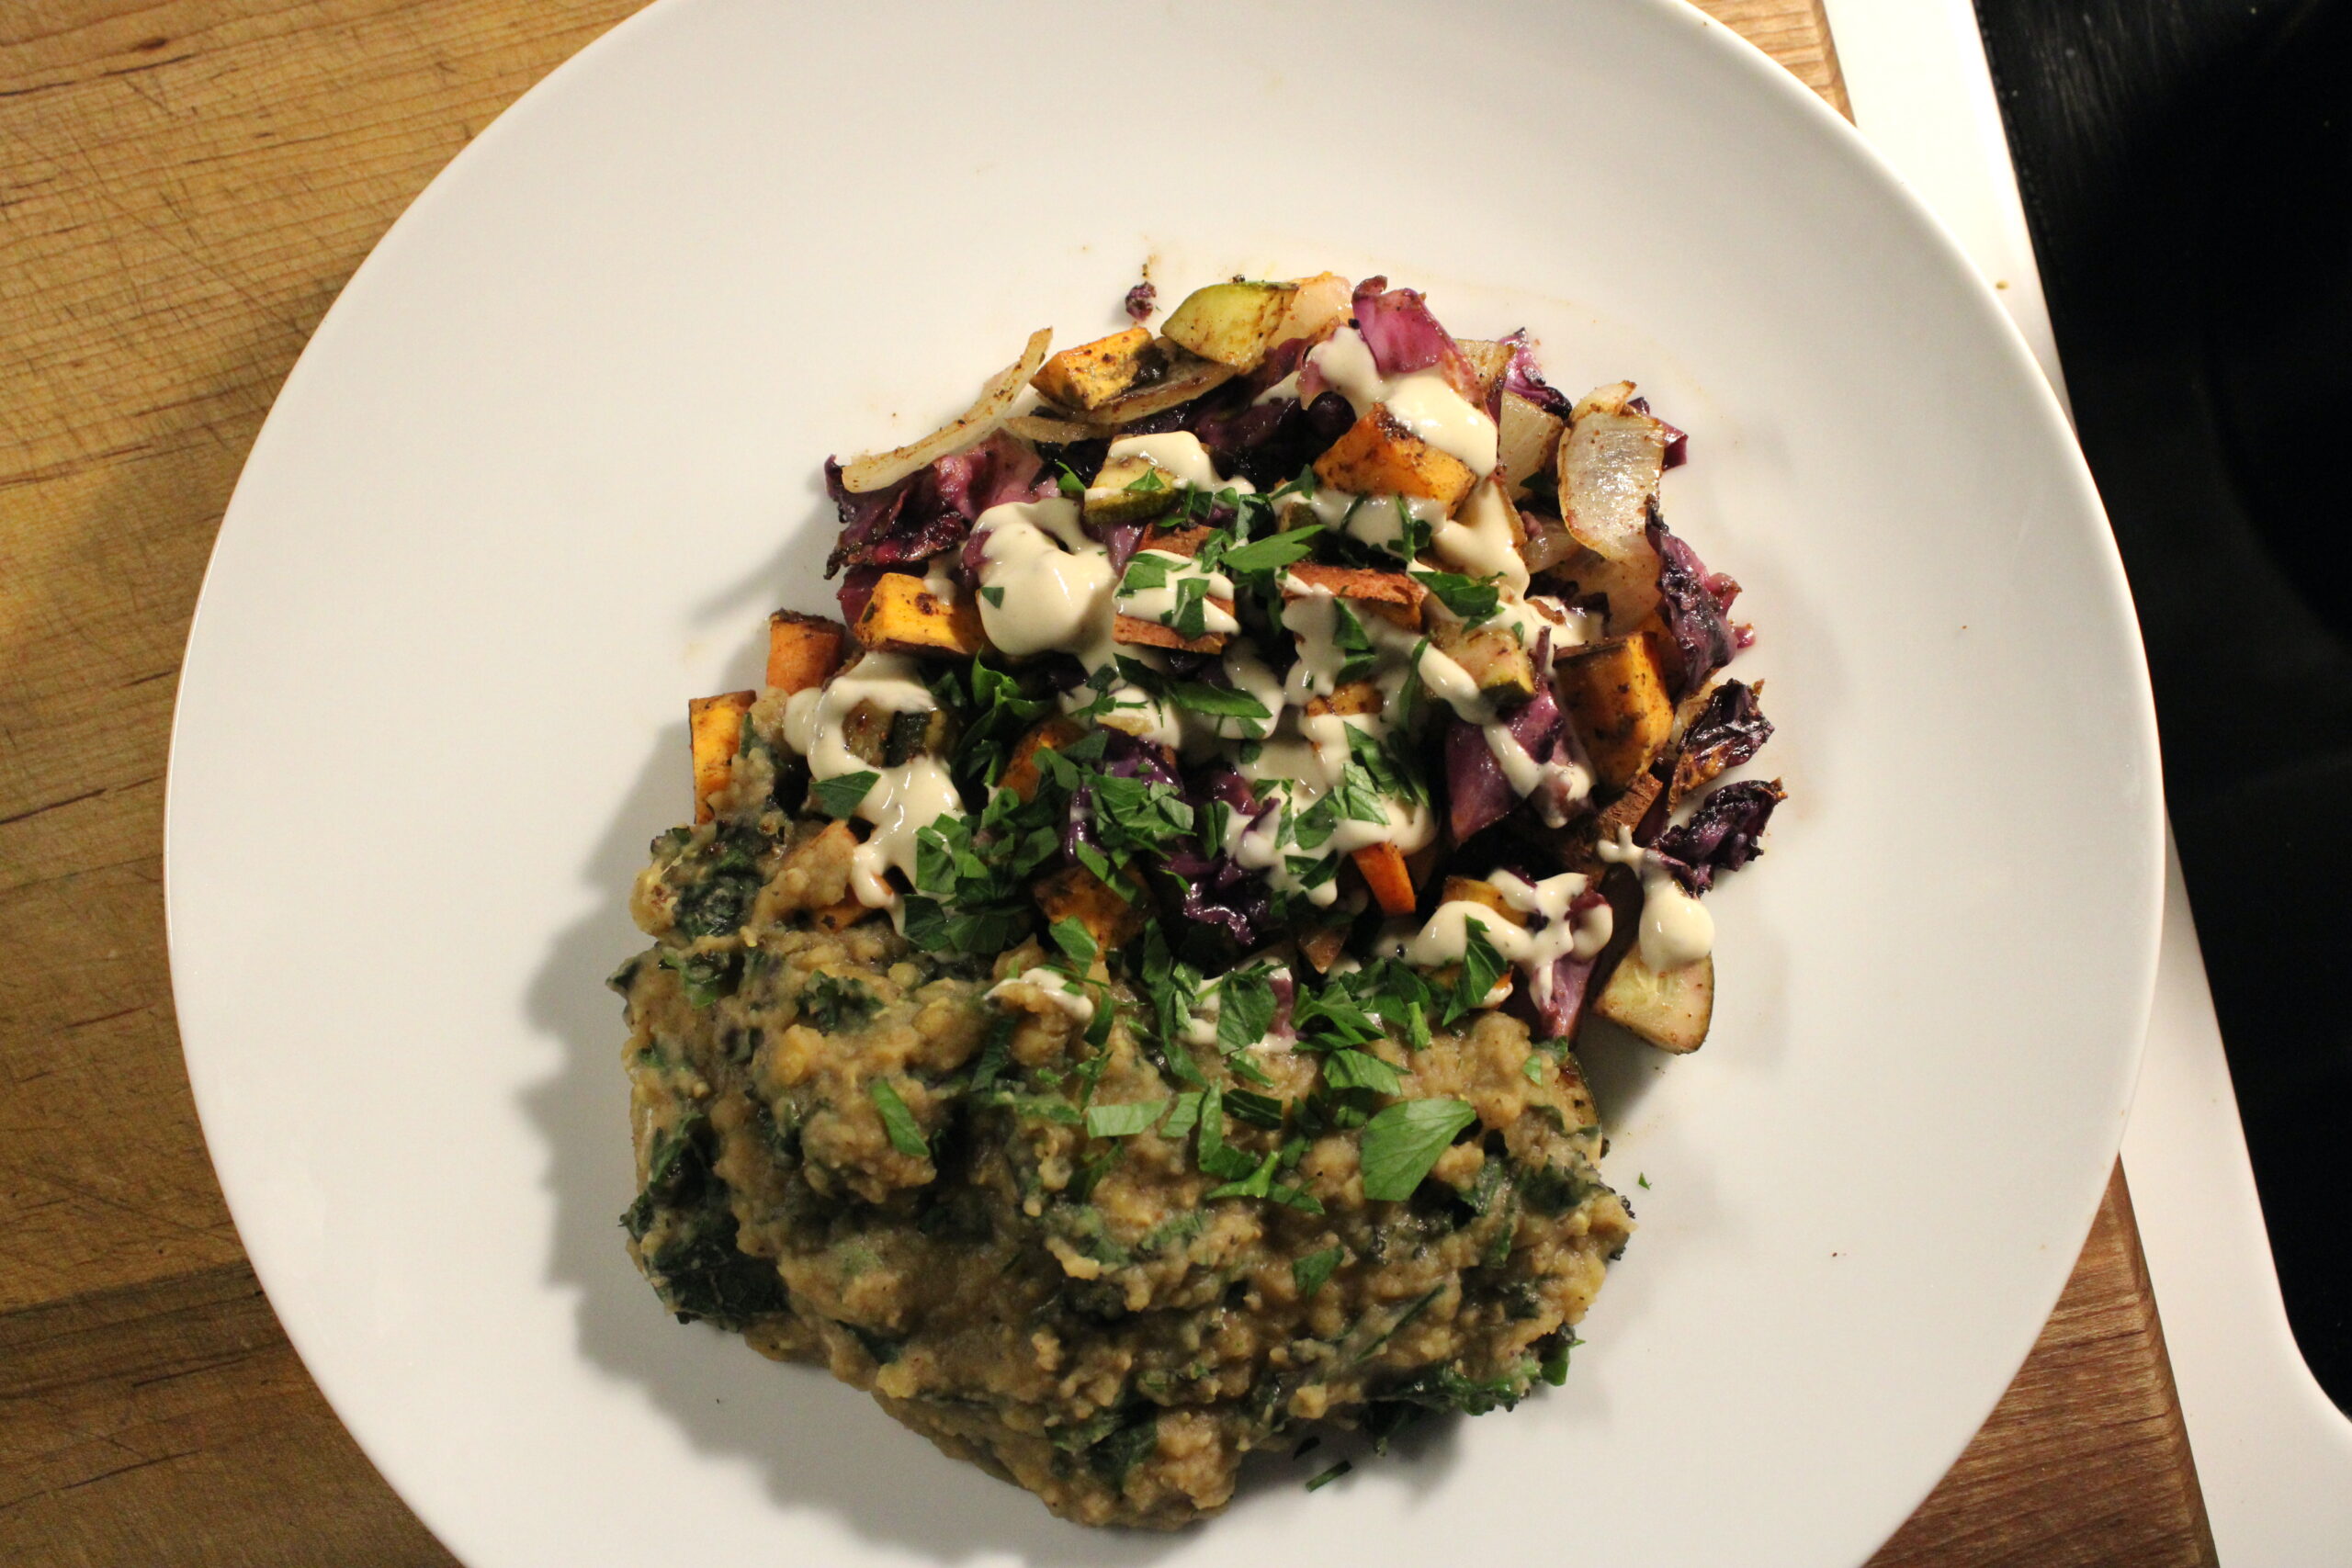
[817, 1444]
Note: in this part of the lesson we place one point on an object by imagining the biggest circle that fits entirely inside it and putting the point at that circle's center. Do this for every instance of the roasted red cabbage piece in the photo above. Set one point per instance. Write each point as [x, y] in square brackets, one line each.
[931, 509]
[1723, 835]
[1395, 324]
[1521, 376]
[1694, 604]
[1729, 730]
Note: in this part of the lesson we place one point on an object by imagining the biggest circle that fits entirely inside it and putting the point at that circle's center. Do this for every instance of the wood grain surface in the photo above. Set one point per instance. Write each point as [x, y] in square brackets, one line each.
[184, 186]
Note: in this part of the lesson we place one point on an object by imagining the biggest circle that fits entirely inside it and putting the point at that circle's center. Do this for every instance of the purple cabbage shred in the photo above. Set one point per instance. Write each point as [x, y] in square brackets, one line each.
[1692, 603]
[1521, 376]
[1723, 835]
[1728, 731]
[1139, 301]
[1395, 324]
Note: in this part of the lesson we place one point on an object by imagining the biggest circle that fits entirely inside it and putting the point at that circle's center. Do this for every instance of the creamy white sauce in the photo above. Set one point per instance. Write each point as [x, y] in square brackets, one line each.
[1180, 454]
[1057, 986]
[904, 799]
[1044, 586]
[1482, 540]
[1556, 935]
[1421, 401]
[1675, 928]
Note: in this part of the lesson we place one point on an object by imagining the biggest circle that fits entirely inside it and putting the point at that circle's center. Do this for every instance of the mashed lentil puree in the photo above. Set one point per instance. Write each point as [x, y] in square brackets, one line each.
[1067, 1311]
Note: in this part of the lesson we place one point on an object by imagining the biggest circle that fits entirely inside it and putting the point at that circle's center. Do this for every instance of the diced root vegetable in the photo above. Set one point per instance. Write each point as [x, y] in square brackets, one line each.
[1232, 323]
[1628, 809]
[1383, 866]
[882, 469]
[1186, 377]
[1321, 947]
[1391, 593]
[1137, 632]
[1671, 1008]
[1020, 774]
[1076, 893]
[803, 649]
[1379, 456]
[1614, 693]
[715, 730]
[1349, 699]
[906, 616]
[1476, 890]
[1094, 373]
[842, 916]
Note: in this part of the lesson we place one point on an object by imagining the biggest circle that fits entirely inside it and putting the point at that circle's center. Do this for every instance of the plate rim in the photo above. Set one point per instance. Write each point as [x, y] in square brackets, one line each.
[2112, 582]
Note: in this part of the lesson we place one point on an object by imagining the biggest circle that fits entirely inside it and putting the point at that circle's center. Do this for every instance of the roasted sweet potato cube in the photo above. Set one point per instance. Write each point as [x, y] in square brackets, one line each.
[1076, 893]
[1383, 867]
[1020, 774]
[1321, 947]
[1477, 890]
[715, 728]
[803, 649]
[1670, 1008]
[1093, 373]
[1615, 695]
[906, 616]
[1185, 542]
[1628, 809]
[1391, 594]
[1348, 699]
[1134, 631]
[1492, 655]
[1379, 456]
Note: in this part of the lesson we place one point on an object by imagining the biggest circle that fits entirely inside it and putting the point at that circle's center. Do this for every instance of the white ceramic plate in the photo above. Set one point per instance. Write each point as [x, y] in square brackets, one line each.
[555, 452]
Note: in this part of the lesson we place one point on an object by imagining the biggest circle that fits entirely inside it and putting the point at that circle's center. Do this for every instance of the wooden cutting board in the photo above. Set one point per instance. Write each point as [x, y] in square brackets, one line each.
[184, 186]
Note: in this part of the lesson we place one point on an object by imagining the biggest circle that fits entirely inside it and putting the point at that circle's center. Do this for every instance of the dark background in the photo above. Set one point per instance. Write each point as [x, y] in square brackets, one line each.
[2186, 169]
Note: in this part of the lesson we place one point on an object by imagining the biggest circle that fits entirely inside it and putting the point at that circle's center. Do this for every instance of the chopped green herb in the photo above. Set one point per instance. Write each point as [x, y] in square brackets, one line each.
[1481, 968]
[897, 1120]
[1469, 598]
[833, 1003]
[1404, 1141]
[995, 596]
[1643, 1182]
[1309, 1272]
[1272, 552]
[1358, 1069]
[1217, 701]
[1147, 572]
[1123, 1121]
[1069, 934]
[839, 796]
[1245, 1007]
[1328, 1476]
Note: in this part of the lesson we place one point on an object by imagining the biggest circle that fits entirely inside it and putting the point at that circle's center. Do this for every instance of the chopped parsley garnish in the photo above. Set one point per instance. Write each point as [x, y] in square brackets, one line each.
[840, 795]
[1359, 1069]
[1123, 1121]
[1481, 968]
[1076, 942]
[1403, 1142]
[1271, 553]
[1470, 599]
[1217, 702]
[898, 1122]
[1328, 1476]
[833, 1003]
[1309, 1272]
[1147, 572]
